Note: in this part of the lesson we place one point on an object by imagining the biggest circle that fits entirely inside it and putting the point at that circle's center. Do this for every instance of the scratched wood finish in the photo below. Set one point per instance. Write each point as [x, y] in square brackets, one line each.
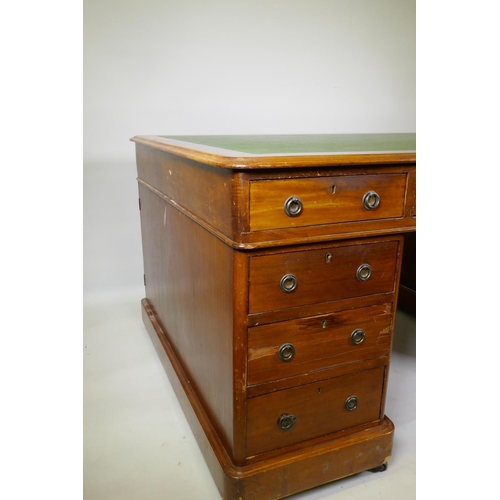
[327, 232]
[330, 371]
[319, 342]
[319, 409]
[189, 284]
[320, 280]
[325, 200]
[203, 192]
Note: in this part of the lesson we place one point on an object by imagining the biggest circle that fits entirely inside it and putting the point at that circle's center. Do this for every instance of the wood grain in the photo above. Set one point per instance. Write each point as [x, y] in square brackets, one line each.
[325, 200]
[219, 200]
[319, 342]
[319, 281]
[189, 283]
[194, 188]
[319, 409]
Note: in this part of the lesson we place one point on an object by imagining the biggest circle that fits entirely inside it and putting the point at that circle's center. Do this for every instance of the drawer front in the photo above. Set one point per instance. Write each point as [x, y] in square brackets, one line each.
[325, 200]
[293, 415]
[290, 348]
[298, 278]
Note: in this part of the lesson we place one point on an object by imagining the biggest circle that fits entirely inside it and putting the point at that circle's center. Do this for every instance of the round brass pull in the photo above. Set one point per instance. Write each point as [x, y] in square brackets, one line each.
[288, 283]
[357, 336]
[364, 272]
[351, 403]
[371, 200]
[286, 352]
[287, 422]
[293, 206]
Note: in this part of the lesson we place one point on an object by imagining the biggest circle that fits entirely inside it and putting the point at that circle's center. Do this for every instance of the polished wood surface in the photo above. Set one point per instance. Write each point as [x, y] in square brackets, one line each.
[319, 409]
[320, 280]
[189, 285]
[325, 200]
[319, 342]
[214, 257]
[193, 188]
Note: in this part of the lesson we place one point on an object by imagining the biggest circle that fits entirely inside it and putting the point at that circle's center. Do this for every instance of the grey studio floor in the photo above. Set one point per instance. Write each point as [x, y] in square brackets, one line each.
[138, 445]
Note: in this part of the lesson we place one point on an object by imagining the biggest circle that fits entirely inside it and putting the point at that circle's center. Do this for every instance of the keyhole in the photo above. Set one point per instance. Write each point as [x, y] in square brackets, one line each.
[328, 258]
[319, 390]
[323, 323]
[333, 189]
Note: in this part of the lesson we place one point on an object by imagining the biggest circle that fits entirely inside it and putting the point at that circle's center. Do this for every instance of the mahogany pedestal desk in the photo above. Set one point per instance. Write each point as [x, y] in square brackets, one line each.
[272, 268]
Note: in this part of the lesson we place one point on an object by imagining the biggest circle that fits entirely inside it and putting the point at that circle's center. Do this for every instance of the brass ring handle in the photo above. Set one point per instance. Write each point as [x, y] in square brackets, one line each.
[351, 403]
[287, 422]
[293, 206]
[286, 352]
[357, 336]
[371, 200]
[364, 272]
[288, 283]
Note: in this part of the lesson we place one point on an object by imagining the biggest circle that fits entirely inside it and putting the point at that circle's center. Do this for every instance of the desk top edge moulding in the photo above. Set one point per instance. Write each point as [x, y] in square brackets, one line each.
[271, 269]
[288, 151]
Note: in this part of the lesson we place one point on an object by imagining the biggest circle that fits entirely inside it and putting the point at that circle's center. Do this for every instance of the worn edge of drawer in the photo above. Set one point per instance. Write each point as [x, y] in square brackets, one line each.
[311, 377]
[370, 447]
[322, 372]
[318, 309]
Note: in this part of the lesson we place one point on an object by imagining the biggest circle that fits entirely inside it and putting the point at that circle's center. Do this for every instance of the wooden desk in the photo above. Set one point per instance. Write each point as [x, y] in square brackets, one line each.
[272, 268]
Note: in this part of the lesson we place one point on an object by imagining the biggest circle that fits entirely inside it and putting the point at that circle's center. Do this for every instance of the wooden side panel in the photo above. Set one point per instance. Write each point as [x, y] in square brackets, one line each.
[201, 191]
[189, 284]
[325, 200]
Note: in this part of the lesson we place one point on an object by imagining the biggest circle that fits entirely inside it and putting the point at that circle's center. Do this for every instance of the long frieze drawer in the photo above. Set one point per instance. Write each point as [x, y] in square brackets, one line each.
[289, 348]
[285, 203]
[298, 278]
[290, 416]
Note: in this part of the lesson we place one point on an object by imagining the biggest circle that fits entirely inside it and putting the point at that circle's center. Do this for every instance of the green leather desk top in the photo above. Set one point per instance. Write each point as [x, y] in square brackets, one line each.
[304, 144]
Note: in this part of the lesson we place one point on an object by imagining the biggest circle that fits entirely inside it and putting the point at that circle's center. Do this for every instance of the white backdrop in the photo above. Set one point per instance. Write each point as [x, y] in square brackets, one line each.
[226, 67]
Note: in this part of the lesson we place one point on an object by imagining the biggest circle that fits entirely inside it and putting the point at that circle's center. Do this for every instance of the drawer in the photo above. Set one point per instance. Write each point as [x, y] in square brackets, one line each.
[290, 348]
[293, 415]
[285, 203]
[297, 278]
